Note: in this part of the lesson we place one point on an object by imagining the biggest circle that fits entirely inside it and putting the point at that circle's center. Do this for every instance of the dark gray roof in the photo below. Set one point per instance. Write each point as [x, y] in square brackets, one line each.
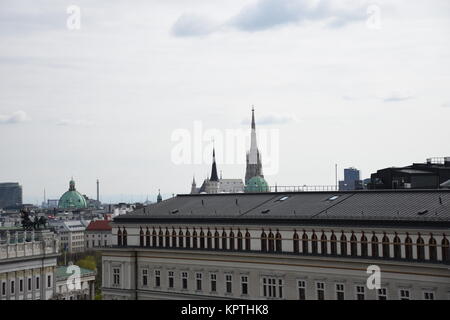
[389, 205]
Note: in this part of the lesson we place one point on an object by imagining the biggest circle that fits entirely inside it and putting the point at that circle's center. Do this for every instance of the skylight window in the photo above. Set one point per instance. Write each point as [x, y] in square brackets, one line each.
[283, 198]
[265, 211]
[333, 198]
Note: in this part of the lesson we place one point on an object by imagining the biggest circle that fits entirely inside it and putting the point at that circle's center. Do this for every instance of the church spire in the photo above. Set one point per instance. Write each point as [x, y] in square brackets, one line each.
[214, 176]
[253, 118]
[254, 165]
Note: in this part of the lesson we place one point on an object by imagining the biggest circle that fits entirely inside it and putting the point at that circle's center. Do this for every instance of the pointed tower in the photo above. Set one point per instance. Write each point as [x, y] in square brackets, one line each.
[194, 186]
[254, 165]
[214, 176]
[159, 197]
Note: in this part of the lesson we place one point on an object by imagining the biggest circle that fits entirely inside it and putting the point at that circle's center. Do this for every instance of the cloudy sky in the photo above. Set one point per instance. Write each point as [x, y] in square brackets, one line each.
[357, 83]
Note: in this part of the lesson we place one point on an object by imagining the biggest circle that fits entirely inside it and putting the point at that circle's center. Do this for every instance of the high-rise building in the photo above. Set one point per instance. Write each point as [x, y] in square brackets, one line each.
[351, 180]
[10, 195]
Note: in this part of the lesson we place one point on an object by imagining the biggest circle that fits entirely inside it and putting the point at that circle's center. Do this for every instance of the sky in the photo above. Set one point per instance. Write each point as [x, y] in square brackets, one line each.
[353, 83]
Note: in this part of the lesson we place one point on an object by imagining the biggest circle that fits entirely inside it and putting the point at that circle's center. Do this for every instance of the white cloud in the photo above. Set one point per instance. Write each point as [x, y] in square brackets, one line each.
[16, 117]
[188, 25]
[446, 105]
[267, 14]
[72, 122]
[397, 97]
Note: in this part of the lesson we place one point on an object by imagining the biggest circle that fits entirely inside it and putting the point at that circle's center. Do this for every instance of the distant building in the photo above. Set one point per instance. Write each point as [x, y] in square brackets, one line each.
[214, 184]
[98, 234]
[351, 180]
[433, 174]
[10, 195]
[72, 199]
[71, 234]
[253, 159]
[86, 290]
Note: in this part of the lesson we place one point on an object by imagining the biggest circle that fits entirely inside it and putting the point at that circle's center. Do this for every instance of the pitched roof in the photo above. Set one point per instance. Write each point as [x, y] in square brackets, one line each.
[392, 206]
[99, 225]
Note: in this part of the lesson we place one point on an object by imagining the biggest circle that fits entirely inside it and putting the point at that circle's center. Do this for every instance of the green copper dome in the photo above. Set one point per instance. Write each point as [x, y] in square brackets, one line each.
[257, 184]
[72, 199]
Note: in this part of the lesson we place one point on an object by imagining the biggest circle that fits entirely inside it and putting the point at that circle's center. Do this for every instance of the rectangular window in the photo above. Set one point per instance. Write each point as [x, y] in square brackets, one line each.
[37, 283]
[404, 294]
[320, 287]
[301, 290]
[3, 288]
[382, 294]
[360, 293]
[157, 278]
[29, 284]
[21, 285]
[198, 278]
[428, 295]
[144, 277]
[171, 279]
[116, 276]
[272, 287]
[13, 286]
[229, 283]
[213, 282]
[184, 280]
[244, 285]
[340, 295]
[49, 281]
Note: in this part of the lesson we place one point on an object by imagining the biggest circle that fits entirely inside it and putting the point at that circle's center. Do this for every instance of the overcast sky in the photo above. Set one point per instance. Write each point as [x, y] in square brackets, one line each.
[340, 84]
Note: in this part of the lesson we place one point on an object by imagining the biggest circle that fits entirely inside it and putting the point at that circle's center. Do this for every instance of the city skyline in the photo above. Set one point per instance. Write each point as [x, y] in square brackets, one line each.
[103, 101]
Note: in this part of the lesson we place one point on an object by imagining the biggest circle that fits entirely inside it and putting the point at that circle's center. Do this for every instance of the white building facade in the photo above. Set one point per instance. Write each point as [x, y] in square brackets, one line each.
[315, 245]
[27, 265]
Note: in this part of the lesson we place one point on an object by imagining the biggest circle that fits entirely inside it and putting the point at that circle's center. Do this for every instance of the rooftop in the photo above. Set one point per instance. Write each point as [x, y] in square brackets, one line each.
[382, 205]
[99, 225]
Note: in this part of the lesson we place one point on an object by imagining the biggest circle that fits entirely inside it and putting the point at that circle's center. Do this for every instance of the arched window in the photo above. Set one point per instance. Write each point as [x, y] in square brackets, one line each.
[408, 247]
[124, 237]
[147, 238]
[432, 244]
[445, 250]
[385, 244]
[231, 239]
[224, 240]
[296, 242]
[420, 248]
[374, 244]
[343, 244]
[209, 239]
[188, 238]
[305, 249]
[263, 241]
[180, 239]
[202, 239]
[278, 242]
[364, 246]
[119, 237]
[160, 238]
[353, 245]
[141, 237]
[271, 241]
[247, 240]
[333, 243]
[216, 240]
[397, 247]
[154, 243]
[167, 238]
[194, 239]
[174, 238]
[239, 240]
[314, 243]
[323, 243]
